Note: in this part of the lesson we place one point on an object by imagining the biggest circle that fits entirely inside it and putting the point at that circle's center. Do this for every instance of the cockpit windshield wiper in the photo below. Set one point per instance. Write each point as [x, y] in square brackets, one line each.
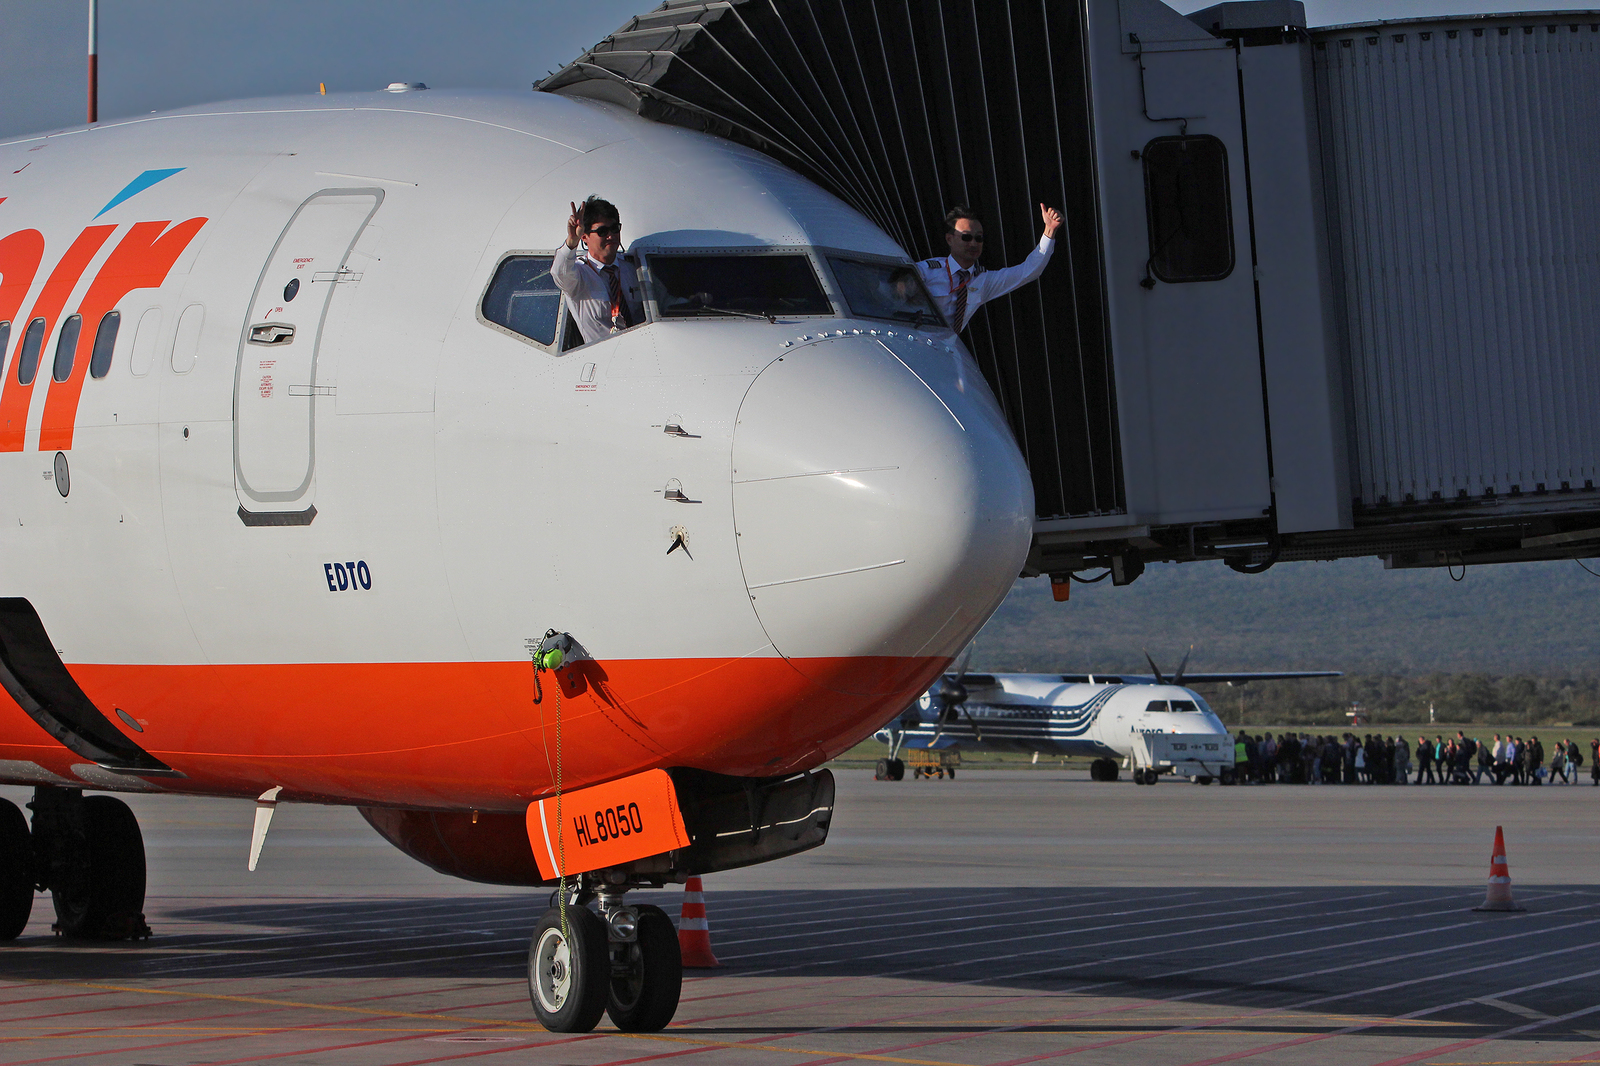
[768, 317]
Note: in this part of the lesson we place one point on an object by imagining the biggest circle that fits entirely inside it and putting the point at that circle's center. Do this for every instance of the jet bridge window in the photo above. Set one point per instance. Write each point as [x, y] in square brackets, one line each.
[1188, 208]
[885, 290]
[524, 299]
[737, 285]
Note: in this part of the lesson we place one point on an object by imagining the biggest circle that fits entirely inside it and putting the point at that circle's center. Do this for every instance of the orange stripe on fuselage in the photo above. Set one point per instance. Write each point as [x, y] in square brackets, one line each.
[15, 398]
[141, 260]
[456, 735]
[20, 254]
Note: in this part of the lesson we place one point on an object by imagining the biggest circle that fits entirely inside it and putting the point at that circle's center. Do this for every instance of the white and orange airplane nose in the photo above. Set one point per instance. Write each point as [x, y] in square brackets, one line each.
[882, 507]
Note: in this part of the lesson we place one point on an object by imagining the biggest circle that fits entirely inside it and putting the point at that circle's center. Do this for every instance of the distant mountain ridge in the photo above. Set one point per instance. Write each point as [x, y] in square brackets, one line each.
[1524, 618]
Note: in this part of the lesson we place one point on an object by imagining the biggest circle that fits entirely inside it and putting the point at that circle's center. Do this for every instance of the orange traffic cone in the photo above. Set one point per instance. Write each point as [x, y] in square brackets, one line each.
[694, 935]
[1499, 895]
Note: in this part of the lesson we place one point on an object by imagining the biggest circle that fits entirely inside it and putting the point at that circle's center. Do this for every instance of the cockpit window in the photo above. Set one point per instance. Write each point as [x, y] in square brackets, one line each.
[524, 299]
[1185, 705]
[885, 290]
[1156, 707]
[734, 285]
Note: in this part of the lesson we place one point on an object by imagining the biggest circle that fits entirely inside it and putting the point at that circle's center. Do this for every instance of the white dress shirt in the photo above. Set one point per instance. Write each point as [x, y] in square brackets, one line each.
[588, 301]
[939, 275]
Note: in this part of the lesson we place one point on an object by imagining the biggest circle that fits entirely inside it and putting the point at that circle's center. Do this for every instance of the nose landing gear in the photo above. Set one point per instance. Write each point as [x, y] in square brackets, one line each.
[623, 961]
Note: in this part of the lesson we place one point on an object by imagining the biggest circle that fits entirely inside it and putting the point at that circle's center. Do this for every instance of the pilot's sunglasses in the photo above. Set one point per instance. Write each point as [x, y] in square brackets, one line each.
[607, 231]
[969, 237]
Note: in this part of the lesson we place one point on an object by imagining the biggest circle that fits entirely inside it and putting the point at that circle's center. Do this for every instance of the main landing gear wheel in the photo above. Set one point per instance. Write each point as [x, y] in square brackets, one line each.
[889, 770]
[100, 893]
[646, 975]
[16, 871]
[569, 973]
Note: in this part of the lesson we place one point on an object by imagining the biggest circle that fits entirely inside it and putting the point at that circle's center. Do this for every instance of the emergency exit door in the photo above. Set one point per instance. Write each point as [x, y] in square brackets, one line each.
[275, 387]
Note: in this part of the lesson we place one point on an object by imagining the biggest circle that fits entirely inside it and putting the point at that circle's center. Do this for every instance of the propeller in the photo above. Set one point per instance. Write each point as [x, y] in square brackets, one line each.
[949, 696]
[1177, 678]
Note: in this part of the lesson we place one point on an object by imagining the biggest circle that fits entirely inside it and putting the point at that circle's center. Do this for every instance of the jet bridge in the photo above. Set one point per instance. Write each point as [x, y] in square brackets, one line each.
[1321, 293]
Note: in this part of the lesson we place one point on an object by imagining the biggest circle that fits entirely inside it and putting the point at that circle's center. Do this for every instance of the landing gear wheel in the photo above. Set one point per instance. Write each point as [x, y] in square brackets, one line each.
[103, 899]
[569, 974]
[881, 771]
[16, 871]
[646, 975]
[897, 769]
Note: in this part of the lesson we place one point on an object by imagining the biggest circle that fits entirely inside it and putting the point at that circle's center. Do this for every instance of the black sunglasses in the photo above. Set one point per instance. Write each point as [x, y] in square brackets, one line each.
[968, 236]
[608, 231]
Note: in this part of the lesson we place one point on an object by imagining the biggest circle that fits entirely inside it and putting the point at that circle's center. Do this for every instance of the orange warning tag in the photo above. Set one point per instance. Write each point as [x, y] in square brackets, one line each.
[607, 825]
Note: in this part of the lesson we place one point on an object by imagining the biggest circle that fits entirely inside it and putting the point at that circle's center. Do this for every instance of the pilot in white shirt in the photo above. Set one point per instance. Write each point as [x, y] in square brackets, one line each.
[960, 286]
[601, 286]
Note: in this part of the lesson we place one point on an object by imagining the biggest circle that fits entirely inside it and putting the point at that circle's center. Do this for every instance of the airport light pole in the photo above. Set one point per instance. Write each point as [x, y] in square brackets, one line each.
[94, 61]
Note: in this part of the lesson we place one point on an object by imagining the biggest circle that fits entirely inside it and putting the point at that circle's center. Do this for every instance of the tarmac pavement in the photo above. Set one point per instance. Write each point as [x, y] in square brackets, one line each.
[1005, 916]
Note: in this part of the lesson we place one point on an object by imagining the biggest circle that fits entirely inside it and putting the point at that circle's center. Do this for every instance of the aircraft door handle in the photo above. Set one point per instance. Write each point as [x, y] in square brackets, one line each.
[271, 333]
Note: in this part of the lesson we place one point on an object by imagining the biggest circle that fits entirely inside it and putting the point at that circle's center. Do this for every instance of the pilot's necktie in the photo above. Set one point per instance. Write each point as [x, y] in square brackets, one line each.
[960, 315]
[619, 310]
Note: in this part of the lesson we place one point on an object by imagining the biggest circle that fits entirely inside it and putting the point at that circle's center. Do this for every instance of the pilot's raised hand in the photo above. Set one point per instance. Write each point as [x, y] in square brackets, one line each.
[574, 226]
[1052, 220]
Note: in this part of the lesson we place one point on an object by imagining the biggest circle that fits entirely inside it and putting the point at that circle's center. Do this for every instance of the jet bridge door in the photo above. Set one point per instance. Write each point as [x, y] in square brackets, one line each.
[1179, 267]
[275, 387]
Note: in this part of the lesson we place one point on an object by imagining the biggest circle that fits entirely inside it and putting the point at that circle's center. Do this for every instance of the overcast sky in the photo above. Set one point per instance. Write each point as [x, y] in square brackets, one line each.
[157, 54]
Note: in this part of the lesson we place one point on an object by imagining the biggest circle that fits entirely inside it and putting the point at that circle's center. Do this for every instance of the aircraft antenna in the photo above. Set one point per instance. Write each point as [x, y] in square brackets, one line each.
[94, 61]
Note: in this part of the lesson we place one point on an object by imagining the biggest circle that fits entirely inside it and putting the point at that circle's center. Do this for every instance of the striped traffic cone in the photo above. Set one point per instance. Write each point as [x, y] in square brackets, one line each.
[694, 935]
[1499, 894]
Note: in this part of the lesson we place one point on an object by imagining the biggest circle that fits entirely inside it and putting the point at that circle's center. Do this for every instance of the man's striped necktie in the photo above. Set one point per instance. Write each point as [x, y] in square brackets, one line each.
[619, 310]
[960, 316]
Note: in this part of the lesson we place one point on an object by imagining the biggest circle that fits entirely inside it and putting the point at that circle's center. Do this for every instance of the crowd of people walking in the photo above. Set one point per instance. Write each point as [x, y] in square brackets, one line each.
[1373, 759]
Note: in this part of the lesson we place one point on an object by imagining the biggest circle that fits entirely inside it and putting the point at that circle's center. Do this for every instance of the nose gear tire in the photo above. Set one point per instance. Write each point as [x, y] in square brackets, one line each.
[99, 894]
[646, 975]
[569, 974]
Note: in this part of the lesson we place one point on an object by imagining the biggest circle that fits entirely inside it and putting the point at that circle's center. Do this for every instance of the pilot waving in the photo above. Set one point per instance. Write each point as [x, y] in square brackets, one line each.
[602, 287]
[956, 281]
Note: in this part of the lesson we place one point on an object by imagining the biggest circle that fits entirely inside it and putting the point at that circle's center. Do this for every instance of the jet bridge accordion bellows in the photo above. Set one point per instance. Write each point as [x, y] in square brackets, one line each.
[903, 108]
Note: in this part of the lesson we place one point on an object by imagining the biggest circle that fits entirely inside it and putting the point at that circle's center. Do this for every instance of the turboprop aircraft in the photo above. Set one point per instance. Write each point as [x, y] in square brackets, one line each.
[308, 494]
[1149, 721]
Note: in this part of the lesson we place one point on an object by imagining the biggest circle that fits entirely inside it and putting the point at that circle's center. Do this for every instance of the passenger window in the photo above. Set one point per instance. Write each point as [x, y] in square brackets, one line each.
[523, 298]
[66, 347]
[145, 342]
[1188, 208]
[28, 358]
[1156, 707]
[105, 342]
[5, 341]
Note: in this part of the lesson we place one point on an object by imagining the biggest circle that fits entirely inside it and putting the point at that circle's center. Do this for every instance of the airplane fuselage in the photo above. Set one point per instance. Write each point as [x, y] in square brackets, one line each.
[317, 559]
[1042, 713]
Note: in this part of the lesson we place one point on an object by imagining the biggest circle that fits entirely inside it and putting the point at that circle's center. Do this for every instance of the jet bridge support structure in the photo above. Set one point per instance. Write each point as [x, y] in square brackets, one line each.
[1323, 293]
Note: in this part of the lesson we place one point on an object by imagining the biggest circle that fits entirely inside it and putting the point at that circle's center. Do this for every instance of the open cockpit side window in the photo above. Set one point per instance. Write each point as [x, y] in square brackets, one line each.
[892, 291]
[523, 299]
